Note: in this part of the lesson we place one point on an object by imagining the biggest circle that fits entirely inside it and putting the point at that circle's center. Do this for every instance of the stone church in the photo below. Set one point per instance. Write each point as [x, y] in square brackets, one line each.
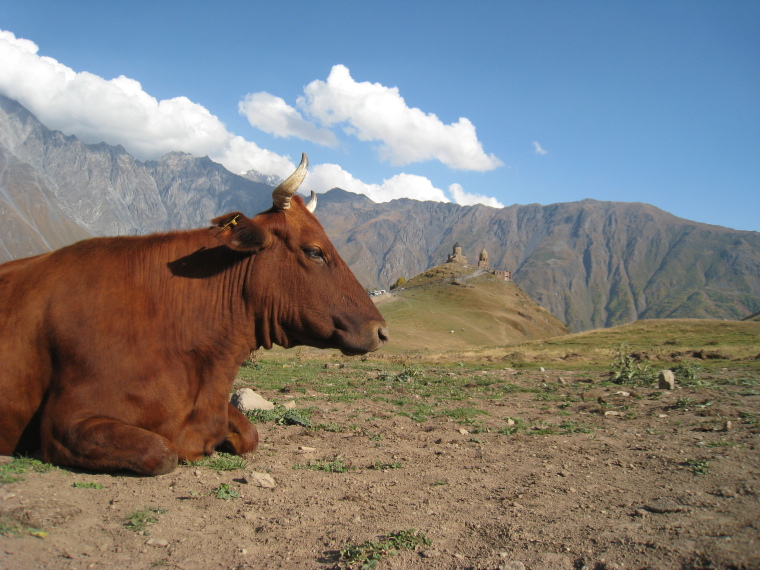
[457, 257]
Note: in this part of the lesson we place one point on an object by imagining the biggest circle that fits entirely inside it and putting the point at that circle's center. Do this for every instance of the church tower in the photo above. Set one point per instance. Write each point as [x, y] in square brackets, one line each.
[483, 259]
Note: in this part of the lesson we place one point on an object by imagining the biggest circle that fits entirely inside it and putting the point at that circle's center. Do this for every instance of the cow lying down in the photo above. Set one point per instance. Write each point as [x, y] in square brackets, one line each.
[120, 353]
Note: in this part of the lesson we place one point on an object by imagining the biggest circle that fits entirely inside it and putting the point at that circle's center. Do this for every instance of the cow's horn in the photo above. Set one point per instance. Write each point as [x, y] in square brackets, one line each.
[312, 205]
[282, 194]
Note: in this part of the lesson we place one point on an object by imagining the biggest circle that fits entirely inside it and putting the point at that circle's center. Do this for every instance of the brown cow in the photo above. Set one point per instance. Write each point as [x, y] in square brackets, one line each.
[119, 353]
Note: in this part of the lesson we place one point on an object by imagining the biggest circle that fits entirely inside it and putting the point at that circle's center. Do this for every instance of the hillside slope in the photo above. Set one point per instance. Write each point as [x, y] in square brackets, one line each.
[31, 220]
[451, 307]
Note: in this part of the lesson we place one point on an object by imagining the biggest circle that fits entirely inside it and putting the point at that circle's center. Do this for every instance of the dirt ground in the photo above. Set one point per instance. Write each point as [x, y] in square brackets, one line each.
[585, 477]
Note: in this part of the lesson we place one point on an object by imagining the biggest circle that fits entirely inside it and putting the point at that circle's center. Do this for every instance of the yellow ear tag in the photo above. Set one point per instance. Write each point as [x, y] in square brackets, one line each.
[232, 223]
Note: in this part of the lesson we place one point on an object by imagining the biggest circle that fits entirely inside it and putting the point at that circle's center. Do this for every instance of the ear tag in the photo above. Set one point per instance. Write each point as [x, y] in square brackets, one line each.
[232, 223]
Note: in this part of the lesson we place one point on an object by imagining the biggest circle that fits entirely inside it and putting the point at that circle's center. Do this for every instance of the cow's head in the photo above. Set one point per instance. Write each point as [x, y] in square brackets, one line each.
[299, 289]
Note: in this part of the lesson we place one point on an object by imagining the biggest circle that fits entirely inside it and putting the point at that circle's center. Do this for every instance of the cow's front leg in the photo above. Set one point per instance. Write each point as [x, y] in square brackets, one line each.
[103, 444]
[242, 436]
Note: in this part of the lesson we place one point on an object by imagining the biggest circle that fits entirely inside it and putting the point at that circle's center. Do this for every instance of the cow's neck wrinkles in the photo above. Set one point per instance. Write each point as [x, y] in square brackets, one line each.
[211, 279]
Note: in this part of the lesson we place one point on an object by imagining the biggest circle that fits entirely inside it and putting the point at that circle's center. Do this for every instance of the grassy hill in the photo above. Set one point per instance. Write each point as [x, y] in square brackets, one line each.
[709, 342]
[458, 310]
[452, 307]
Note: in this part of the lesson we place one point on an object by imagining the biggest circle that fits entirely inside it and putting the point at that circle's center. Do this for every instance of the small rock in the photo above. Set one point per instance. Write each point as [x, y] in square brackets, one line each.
[459, 556]
[622, 393]
[289, 405]
[158, 542]
[429, 553]
[306, 449]
[613, 413]
[667, 380]
[262, 480]
[727, 425]
[510, 422]
[725, 492]
[463, 431]
[662, 506]
[561, 380]
[542, 369]
[246, 400]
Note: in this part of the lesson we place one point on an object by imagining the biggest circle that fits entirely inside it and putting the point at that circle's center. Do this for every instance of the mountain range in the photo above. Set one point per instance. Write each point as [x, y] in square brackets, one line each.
[591, 263]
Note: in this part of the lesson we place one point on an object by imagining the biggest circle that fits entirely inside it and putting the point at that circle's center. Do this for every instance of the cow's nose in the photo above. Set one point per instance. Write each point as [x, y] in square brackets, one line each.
[382, 334]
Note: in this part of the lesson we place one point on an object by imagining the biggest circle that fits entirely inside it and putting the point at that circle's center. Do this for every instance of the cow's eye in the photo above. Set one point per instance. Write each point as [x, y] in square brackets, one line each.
[314, 253]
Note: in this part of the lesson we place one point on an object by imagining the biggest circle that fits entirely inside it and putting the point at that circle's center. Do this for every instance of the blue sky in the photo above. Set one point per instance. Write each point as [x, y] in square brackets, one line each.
[493, 101]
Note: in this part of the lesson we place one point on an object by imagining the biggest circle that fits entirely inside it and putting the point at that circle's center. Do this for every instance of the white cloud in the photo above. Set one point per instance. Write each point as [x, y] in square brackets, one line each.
[324, 177]
[467, 199]
[538, 149]
[118, 111]
[373, 112]
[273, 115]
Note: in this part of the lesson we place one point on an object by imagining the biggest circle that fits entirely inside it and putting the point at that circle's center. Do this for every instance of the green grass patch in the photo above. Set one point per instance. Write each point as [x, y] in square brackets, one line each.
[379, 465]
[138, 521]
[752, 420]
[697, 467]
[367, 554]
[88, 485]
[464, 413]
[408, 374]
[421, 413]
[281, 416]
[15, 470]
[220, 461]
[225, 492]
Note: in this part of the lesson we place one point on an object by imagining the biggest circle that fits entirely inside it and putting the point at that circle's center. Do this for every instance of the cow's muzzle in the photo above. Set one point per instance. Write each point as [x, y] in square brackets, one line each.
[374, 335]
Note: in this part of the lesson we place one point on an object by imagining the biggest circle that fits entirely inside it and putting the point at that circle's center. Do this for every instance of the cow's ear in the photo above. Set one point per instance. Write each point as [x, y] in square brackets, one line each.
[237, 232]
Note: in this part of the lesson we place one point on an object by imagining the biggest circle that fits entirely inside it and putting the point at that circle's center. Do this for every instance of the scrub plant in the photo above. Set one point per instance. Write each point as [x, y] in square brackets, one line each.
[220, 461]
[367, 554]
[138, 521]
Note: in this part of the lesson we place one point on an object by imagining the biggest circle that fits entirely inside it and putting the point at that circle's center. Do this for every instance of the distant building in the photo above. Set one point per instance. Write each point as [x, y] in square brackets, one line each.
[457, 256]
[483, 259]
[483, 263]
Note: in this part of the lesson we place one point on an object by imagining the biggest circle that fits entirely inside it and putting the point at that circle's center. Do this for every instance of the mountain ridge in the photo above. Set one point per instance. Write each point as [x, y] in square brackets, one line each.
[592, 263]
